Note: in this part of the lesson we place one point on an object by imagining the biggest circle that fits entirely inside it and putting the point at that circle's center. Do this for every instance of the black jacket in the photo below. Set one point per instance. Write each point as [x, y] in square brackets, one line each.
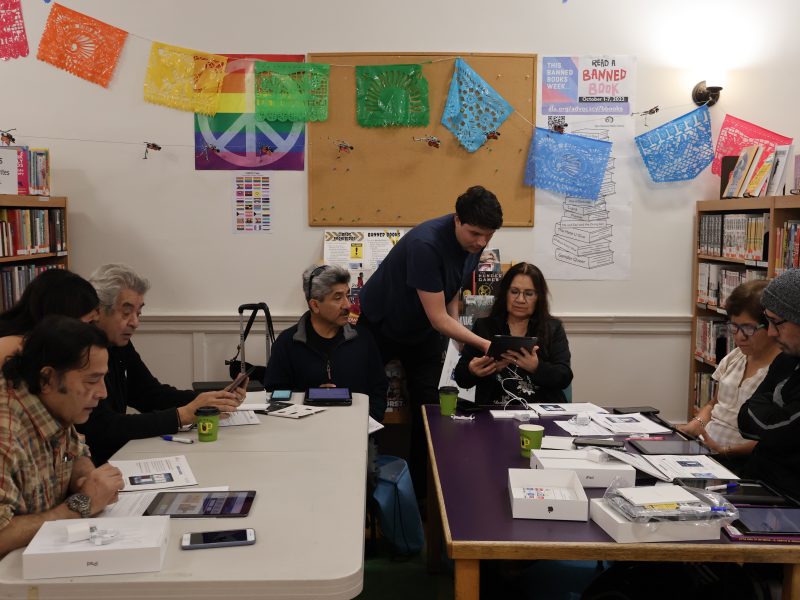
[772, 416]
[547, 383]
[354, 363]
[130, 383]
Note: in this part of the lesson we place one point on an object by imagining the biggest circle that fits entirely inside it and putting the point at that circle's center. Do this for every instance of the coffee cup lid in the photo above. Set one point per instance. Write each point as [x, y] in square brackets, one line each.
[206, 411]
[449, 389]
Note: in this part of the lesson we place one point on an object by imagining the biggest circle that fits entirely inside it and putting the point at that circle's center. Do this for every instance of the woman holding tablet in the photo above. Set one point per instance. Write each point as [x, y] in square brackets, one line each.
[738, 375]
[520, 308]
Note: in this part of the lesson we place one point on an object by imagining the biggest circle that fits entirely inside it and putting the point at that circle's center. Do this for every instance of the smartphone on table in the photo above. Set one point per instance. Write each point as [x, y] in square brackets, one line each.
[218, 539]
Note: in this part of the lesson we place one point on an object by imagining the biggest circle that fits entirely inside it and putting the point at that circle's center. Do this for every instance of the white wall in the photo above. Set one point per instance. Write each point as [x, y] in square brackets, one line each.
[173, 224]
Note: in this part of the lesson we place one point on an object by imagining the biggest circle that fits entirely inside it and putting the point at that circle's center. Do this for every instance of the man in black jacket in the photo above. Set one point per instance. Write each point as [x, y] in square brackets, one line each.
[772, 414]
[323, 350]
[162, 408]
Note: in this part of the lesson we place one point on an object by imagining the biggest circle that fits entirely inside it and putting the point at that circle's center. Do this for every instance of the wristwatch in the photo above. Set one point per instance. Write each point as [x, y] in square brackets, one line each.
[81, 504]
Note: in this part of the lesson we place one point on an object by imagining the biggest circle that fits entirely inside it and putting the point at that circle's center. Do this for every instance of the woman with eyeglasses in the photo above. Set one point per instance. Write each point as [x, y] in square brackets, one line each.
[738, 375]
[520, 308]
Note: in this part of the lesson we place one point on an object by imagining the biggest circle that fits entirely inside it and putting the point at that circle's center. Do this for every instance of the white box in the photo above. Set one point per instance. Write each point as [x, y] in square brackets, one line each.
[628, 532]
[565, 499]
[140, 546]
[591, 474]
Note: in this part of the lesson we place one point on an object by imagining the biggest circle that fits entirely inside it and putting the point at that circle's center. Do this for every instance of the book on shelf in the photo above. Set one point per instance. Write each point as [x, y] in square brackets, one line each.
[485, 283]
[742, 171]
[39, 171]
[727, 165]
[777, 180]
[30, 231]
[758, 159]
[757, 183]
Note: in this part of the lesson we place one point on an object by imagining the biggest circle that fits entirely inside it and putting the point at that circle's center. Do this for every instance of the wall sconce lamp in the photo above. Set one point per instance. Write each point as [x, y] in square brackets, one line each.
[706, 94]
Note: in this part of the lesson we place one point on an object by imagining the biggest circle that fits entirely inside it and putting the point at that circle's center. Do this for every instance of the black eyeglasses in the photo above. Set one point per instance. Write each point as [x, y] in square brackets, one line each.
[775, 322]
[747, 329]
[313, 274]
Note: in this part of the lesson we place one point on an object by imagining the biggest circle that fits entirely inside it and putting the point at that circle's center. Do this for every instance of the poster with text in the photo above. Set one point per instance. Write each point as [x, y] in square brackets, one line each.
[235, 139]
[586, 85]
[251, 203]
[577, 238]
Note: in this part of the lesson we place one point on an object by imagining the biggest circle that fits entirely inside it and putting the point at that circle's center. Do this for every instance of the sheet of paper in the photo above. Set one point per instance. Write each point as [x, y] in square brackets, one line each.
[133, 504]
[690, 467]
[656, 494]
[259, 397]
[637, 461]
[628, 423]
[592, 429]
[557, 442]
[155, 473]
[544, 493]
[446, 378]
[296, 411]
[251, 406]
[560, 410]
[240, 417]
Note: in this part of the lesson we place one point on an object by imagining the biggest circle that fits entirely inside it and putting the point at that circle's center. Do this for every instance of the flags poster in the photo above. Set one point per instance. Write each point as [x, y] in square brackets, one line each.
[737, 133]
[81, 45]
[13, 41]
[567, 164]
[678, 150]
[391, 95]
[473, 108]
[291, 91]
[184, 79]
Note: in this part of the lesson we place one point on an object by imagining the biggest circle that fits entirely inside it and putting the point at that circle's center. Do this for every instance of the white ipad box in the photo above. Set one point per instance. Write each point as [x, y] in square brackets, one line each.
[139, 546]
[627, 532]
[555, 495]
[591, 474]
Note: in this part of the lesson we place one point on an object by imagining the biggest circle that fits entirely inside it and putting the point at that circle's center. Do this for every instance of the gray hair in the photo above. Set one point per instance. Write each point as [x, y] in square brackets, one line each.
[109, 280]
[322, 278]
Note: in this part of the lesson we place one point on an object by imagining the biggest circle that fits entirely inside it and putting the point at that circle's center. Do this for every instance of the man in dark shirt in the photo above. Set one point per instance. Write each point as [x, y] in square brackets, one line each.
[412, 300]
[772, 414]
[323, 350]
[162, 408]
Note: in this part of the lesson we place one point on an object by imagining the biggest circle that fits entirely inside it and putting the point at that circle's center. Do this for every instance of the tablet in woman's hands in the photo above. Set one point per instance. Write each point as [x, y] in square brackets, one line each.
[504, 343]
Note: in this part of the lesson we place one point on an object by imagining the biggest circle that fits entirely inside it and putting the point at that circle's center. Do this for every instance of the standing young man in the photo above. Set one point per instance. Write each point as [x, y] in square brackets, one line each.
[412, 300]
[772, 414]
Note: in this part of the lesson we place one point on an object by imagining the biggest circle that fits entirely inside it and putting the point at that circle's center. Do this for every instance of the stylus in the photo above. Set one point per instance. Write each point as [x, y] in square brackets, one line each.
[180, 440]
[725, 486]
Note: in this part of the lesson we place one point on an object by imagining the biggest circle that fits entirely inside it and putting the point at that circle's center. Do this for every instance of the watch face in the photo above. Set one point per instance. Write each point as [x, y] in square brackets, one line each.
[81, 504]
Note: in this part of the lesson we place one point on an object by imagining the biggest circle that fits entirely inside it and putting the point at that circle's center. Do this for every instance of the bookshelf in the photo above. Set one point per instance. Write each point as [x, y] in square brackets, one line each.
[33, 237]
[735, 240]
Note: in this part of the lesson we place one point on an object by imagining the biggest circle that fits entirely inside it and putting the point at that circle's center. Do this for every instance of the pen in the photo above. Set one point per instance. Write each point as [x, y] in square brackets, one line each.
[180, 440]
[657, 438]
[725, 486]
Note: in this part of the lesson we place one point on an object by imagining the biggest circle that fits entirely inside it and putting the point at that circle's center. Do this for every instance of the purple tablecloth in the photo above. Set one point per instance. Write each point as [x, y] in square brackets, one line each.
[473, 458]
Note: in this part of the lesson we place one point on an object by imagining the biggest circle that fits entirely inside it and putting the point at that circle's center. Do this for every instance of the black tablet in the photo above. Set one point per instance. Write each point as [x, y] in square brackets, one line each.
[336, 396]
[682, 447]
[757, 519]
[197, 504]
[742, 492]
[503, 343]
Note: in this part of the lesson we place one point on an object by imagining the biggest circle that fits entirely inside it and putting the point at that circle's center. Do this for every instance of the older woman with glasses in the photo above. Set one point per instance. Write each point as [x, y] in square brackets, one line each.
[520, 308]
[738, 374]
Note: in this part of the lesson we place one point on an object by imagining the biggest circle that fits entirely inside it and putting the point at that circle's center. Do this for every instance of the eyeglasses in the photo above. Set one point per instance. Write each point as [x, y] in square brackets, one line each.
[313, 274]
[775, 322]
[527, 295]
[747, 329]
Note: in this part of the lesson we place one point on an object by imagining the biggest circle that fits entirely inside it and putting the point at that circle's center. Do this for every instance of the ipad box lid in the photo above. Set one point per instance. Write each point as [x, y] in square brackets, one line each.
[591, 474]
[139, 546]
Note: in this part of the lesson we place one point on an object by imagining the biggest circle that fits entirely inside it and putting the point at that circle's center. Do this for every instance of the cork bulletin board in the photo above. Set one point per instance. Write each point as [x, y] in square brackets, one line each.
[387, 178]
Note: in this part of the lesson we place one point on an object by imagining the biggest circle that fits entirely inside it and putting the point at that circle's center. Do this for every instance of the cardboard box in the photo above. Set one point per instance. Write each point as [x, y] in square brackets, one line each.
[140, 546]
[544, 494]
[590, 474]
[627, 532]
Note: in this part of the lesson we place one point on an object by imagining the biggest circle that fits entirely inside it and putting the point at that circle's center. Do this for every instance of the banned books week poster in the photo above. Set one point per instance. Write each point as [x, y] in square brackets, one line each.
[590, 96]
[251, 203]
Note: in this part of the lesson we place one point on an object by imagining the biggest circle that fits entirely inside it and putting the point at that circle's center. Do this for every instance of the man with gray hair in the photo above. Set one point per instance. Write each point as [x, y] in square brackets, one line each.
[323, 350]
[772, 414]
[162, 408]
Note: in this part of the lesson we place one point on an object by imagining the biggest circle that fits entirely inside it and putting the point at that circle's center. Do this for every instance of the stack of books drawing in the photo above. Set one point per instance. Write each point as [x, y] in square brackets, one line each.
[583, 235]
[759, 171]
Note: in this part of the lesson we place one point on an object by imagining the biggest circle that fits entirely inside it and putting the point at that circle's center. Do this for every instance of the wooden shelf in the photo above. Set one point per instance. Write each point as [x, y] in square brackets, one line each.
[13, 201]
[22, 258]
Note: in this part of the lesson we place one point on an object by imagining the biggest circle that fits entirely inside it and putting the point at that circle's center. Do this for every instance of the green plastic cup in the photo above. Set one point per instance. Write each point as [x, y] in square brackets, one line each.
[530, 438]
[207, 419]
[448, 396]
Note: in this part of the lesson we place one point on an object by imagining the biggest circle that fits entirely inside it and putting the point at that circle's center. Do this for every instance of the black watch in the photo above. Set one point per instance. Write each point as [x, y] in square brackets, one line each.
[81, 504]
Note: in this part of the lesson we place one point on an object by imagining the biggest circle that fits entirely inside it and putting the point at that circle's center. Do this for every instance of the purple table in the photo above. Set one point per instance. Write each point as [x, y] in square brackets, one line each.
[468, 505]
